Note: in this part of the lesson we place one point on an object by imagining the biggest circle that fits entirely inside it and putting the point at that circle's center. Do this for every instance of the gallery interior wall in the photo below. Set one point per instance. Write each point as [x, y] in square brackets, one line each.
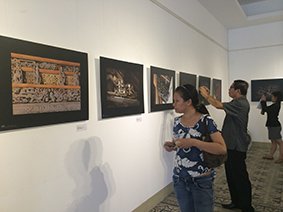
[110, 164]
[257, 53]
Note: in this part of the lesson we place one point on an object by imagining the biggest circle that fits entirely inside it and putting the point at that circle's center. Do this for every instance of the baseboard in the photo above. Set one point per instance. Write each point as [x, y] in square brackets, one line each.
[155, 199]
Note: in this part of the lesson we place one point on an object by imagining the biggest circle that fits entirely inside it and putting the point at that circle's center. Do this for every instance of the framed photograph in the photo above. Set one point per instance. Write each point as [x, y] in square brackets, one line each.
[121, 88]
[185, 78]
[217, 89]
[41, 84]
[203, 81]
[162, 85]
[265, 86]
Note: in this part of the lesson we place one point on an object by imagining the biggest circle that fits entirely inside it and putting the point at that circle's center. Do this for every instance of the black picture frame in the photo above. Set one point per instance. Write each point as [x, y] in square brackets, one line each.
[41, 84]
[265, 86]
[204, 81]
[162, 85]
[121, 88]
[186, 78]
[217, 89]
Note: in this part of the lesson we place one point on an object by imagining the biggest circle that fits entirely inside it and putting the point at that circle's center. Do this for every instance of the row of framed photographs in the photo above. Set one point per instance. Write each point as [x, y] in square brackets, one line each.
[122, 87]
[43, 85]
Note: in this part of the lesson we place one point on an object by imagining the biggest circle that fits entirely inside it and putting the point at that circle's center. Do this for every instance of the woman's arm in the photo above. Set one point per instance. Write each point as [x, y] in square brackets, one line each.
[263, 105]
[217, 146]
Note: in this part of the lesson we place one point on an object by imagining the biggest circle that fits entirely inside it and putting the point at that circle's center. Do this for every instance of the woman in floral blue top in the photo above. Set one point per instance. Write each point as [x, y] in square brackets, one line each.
[193, 181]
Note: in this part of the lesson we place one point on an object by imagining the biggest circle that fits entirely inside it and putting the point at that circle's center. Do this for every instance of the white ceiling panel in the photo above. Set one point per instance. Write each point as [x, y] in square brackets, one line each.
[243, 13]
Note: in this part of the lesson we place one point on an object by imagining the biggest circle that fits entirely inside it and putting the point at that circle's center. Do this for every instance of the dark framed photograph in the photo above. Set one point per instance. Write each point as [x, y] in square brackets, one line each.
[186, 78]
[265, 86]
[204, 81]
[217, 89]
[41, 84]
[121, 88]
[162, 85]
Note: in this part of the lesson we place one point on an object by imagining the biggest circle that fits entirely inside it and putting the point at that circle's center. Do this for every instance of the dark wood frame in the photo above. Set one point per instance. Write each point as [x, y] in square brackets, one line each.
[11, 48]
[158, 72]
[115, 99]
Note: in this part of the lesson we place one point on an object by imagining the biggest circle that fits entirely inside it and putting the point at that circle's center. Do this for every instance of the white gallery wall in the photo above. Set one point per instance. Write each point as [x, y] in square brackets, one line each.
[257, 53]
[110, 164]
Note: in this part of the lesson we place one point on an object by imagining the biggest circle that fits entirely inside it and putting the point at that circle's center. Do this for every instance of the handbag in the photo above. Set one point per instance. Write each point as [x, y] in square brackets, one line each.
[211, 160]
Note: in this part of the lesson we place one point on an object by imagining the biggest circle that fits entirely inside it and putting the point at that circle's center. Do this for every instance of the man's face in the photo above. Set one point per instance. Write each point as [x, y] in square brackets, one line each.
[232, 91]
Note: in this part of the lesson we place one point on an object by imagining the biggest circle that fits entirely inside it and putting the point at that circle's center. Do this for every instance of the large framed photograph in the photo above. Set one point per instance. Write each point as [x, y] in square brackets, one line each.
[121, 88]
[186, 78]
[217, 89]
[265, 86]
[41, 84]
[162, 85]
[203, 81]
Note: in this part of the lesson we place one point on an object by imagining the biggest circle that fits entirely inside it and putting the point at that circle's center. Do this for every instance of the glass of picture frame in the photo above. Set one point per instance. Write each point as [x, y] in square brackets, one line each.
[162, 85]
[121, 88]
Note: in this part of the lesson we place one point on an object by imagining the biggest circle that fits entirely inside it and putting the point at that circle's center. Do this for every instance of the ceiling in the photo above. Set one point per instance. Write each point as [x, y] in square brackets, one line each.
[243, 13]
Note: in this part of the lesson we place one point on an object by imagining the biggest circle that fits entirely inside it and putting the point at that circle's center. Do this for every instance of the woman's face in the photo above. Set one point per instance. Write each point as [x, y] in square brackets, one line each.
[273, 98]
[179, 104]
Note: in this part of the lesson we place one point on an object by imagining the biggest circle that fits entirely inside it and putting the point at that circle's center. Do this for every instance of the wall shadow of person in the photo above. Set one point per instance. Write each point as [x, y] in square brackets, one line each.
[93, 179]
[166, 134]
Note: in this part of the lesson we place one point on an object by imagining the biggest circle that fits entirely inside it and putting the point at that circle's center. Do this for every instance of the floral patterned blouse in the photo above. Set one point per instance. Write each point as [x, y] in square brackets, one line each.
[189, 162]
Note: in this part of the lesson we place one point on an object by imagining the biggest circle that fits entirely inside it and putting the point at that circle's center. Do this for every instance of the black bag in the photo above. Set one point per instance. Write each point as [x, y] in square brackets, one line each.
[211, 160]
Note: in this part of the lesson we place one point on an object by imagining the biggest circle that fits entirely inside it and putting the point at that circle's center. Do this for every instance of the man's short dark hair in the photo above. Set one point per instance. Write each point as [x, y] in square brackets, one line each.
[242, 86]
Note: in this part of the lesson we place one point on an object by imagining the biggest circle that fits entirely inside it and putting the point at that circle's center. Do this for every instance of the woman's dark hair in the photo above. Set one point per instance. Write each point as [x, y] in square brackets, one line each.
[190, 92]
[242, 86]
[278, 95]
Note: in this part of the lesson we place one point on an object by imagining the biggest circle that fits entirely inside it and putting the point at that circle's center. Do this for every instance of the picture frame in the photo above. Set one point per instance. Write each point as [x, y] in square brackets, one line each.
[41, 84]
[204, 81]
[186, 78]
[217, 89]
[162, 85]
[265, 86]
[121, 88]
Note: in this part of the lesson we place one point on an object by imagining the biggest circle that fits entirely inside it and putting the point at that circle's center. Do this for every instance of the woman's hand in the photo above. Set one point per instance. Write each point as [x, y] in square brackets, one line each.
[169, 146]
[263, 98]
[184, 143]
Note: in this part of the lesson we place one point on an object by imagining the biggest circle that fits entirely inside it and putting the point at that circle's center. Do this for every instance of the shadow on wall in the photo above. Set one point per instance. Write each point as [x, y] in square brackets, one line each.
[93, 179]
[166, 134]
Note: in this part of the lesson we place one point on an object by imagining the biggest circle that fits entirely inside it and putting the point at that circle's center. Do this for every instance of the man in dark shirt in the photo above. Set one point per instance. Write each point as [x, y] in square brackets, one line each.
[234, 132]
